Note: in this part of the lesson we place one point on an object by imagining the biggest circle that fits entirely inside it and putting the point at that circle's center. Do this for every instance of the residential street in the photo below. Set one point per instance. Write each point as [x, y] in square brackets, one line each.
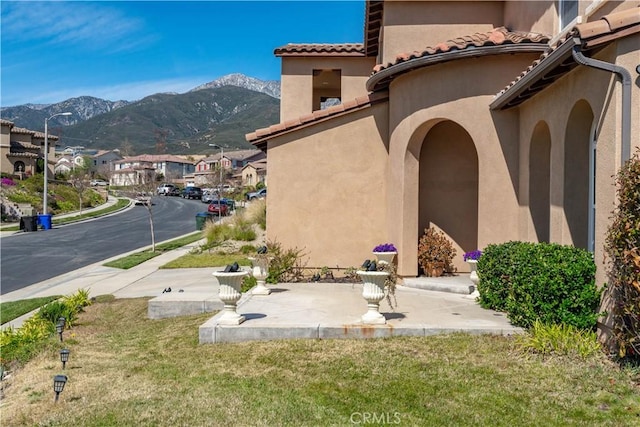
[29, 258]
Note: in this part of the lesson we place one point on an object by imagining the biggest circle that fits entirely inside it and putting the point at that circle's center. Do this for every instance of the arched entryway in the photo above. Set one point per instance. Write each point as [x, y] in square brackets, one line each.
[540, 181]
[448, 186]
[578, 167]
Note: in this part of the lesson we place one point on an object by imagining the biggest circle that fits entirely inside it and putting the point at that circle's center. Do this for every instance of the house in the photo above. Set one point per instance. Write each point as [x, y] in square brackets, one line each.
[102, 162]
[207, 169]
[20, 150]
[172, 167]
[255, 172]
[490, 120]
[134, 174]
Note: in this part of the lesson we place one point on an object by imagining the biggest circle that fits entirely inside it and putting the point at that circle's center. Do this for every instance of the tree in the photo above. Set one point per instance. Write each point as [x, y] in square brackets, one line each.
[79, 177]
[141, 185]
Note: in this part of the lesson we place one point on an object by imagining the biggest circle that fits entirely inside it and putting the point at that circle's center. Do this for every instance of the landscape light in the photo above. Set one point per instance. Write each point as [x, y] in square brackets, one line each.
[60, 329]
[64, 357]
[58, 384]
[62, 320]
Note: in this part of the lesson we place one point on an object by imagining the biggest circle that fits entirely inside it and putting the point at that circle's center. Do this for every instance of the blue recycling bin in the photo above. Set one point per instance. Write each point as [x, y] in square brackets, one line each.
[45, 221]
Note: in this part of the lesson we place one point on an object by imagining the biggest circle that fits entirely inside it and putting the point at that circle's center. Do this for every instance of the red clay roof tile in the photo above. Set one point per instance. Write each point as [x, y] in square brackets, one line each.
[320, 49]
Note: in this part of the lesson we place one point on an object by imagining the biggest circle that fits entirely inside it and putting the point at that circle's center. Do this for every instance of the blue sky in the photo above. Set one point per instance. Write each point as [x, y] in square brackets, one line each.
[52, 51]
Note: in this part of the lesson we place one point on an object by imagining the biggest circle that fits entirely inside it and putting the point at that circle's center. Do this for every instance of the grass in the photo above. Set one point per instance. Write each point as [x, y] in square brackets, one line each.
[11, 310]
[125, 369]
[203, 260]
[137, 258]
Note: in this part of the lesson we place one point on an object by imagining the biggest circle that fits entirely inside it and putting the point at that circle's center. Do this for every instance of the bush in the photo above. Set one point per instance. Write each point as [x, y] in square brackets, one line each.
[435, 252]
[623, 248]
[540, 281]
[285, 264]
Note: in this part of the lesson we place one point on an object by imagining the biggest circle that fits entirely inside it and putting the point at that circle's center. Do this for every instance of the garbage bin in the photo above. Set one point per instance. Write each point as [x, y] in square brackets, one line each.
[29, 223]
[45, 221]
[201, 218]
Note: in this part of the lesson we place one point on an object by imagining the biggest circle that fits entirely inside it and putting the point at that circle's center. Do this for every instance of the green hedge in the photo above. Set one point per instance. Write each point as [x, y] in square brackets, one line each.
[548, 282]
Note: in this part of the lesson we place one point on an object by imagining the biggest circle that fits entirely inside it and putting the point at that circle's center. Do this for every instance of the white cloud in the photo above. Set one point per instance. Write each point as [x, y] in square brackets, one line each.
[90, 25]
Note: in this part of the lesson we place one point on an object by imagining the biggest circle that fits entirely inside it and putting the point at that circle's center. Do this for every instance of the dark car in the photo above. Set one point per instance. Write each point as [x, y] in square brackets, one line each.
[175, 191]
[218, 207]
[192, 193]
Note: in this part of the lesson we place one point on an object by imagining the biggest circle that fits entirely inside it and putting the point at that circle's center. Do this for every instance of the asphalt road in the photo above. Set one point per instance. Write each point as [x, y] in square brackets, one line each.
[32, 257]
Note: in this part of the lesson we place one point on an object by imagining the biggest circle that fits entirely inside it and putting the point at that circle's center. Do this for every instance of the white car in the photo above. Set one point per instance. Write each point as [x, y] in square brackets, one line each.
[165, 189]
[98, 182]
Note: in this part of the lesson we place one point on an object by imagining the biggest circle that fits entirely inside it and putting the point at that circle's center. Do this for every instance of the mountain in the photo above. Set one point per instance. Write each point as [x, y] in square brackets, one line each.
[270, 87]
[221, 111]
[32, 116]
[178, 123]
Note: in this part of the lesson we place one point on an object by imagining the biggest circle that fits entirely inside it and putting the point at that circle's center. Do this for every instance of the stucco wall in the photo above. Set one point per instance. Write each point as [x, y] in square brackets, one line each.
[553, 106]
[414, 25]
[327, 188]
[458, 92]
[296, 92]
[535, 16]
[5, 142]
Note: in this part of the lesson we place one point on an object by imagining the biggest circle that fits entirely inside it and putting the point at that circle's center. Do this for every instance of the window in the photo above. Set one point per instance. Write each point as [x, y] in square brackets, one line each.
[327, 88]
[568, 11]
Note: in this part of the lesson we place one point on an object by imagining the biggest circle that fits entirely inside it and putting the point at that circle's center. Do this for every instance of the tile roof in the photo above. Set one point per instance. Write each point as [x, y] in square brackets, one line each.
[320, 49]
[260, 136]
[155, 158]
[23, 154]
[6, 122]
[557, 60]
[24, 145]
[496, 41]
[372, 22]
[22, 131]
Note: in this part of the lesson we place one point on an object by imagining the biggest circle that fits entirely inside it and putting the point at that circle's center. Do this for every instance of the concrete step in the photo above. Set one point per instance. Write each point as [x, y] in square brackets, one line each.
[458, 284]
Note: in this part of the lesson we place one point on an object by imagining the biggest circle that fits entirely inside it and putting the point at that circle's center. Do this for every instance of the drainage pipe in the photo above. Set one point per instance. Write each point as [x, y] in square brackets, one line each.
[626, 93]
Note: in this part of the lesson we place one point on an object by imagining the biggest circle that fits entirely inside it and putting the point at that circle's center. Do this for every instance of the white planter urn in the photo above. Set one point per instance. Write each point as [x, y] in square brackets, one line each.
[260, 270]
[385, 257]
[473, 265]
[373, 293]
[230, 285]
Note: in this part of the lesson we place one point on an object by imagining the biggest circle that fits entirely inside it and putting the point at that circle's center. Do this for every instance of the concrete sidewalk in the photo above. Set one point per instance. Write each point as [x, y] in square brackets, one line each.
[292, 310]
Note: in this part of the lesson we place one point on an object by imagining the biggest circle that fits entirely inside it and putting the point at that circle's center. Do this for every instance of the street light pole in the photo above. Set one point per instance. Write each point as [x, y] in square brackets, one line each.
[46, 159]
[221, 156]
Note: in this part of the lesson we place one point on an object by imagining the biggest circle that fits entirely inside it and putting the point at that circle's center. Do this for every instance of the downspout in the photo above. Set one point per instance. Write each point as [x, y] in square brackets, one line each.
[626, 93]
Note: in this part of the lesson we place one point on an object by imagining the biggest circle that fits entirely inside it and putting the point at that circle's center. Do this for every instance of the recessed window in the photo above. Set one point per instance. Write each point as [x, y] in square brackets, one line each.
[327, 85]
[568, 11]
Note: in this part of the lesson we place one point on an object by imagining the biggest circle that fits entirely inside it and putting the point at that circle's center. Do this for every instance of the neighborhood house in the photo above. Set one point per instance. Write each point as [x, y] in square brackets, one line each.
[489, 120]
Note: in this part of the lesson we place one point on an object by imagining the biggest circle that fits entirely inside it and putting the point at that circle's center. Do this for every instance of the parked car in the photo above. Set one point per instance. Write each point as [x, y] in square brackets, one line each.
[231, 204]
[142, 199]
[208, 196]
[174, 192]
[164, 189]
[98, 182]
[218, 207]
[192, 193]
[257, 194]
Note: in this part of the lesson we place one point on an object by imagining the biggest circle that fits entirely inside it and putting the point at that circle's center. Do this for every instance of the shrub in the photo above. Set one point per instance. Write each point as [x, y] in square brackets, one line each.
[55, 310]
[562, 340]
[540, 281]
[623, 249]
[285, 264]
[257, 213]
[242, 229]
[435, 251]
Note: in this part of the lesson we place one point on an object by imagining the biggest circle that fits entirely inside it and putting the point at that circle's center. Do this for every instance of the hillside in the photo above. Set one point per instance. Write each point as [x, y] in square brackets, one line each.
[187, 123]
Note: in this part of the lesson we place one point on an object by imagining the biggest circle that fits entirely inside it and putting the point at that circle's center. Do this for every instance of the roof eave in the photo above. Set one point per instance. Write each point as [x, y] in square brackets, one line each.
[383, 78]
[555, 59]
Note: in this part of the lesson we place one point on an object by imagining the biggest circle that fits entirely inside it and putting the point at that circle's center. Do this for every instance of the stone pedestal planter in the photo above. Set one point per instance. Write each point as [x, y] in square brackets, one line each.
[230, 285]
[473, 265]
[373, 293]
[385, 257]
[260, 270]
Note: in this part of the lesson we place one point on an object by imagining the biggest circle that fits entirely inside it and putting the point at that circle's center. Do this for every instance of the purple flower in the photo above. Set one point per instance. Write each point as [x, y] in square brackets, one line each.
[8, 181]
[473, 255]
[385, 247]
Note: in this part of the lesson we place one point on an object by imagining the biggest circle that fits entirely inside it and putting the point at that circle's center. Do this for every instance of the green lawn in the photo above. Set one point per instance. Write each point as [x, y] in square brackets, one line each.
[137, 258]
[125, 369]
[13, 309]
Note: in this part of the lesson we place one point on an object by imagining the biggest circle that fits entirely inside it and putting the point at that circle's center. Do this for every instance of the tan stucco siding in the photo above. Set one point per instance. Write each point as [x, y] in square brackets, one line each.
[535, 16]
[327, 188]
[602, 92]
[459, 92]
[415, 25]
[296, 94]
[5, 143]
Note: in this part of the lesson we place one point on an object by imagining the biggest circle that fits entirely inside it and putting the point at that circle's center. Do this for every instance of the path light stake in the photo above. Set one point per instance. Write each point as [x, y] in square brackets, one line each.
[60, 329]
[63, 321]
[58, 384]
[64, 357]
